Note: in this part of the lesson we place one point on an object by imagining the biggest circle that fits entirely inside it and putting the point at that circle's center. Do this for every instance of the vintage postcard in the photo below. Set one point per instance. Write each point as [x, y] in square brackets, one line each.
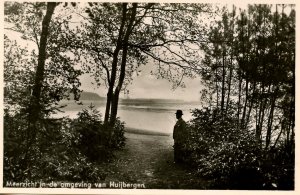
[148, 97]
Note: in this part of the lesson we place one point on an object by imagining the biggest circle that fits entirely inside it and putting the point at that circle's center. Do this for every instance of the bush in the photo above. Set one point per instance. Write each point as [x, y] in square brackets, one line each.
[52, 157]
[219, 149]
[62, 161]
[63, 149]
[278, 167]
[14, 147]
[97, 140]
[118, 138]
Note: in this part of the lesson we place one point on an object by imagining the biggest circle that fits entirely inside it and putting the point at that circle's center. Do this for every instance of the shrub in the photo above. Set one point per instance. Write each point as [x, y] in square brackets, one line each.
[14, 146]
[62, 160]
[231, 155]
[118, 138]
[219, 149]
[97, 140]
[278, 167]
[63, 150]
[52, 157]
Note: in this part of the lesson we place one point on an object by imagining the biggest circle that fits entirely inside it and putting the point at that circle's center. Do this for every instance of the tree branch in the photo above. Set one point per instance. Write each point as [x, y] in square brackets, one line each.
[141, 17]
[166, 62]
[105, 67]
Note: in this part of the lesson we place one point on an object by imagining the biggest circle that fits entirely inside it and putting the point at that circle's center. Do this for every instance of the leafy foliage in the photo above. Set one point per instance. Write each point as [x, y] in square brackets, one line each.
[35, 81]
[249, 77]
[18, 75]
[221, 145]
[249, 61]
[97, 140]
[64, 149]
[20, 64]
[219, 149]
[248, 69]
[115, 39]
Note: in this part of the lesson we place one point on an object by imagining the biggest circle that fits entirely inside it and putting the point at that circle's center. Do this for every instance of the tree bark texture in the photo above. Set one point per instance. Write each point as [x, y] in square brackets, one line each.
[114, 65]
[35, 107]
[39, 75]
[115, 100]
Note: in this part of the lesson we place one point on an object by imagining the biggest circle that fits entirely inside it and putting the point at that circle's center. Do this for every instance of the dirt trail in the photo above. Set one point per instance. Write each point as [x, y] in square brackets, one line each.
[148, 159]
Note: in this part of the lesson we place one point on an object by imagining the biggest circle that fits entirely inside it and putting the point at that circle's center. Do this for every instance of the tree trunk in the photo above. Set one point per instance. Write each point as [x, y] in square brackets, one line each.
[239, 96]
[217, 88]
[270, 119]
[263, 110]
[39, 75]
[34, 112]
[278, 137]
[251, 103]
[223, 83]
[262, 102]
[229, 84]
[115, 102]
[245, 104]
[291, 117]
[109, 99]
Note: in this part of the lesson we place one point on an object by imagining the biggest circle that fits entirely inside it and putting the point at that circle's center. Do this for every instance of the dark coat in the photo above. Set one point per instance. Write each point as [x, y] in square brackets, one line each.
[180, 131]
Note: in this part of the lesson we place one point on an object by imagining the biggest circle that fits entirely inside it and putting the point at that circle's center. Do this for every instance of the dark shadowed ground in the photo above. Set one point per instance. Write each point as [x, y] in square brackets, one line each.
[148, 159]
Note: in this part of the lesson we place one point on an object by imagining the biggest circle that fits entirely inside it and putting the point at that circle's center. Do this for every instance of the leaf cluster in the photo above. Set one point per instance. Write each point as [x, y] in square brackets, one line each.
[61, 74]
[63, 149]
[219, 149]
[96, 139]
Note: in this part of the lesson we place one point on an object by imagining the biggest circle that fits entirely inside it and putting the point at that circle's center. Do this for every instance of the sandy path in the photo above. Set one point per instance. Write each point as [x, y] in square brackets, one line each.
[148, 159]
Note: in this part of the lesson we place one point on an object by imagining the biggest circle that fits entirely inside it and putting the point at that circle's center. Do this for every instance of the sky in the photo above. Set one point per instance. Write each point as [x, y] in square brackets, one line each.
[146, 85]
[143, 86]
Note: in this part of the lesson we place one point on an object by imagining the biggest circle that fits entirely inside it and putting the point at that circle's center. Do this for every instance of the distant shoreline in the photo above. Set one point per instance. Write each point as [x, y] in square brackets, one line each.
[92, 96]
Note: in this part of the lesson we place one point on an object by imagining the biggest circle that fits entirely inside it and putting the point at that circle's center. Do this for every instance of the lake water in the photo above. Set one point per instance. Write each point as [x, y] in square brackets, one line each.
[151, 115]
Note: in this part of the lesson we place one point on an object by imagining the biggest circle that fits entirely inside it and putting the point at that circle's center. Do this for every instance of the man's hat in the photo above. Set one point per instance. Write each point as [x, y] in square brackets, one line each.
[179, 112]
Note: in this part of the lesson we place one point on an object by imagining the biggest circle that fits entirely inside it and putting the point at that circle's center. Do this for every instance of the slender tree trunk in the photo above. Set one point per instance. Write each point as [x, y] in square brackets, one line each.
[291, 121]
[229, 85]
[240, 95]
[223, 83]
[245, 104]
[278, 137]
[270, 119]
[231, 58]
[108, 103]
[262, 101]
[263, 109]
[292, 107]
[39, 75]
[274, 96]
[217, 88]
[251, 103]
[114, 108]
[35, 106]
[109, 99]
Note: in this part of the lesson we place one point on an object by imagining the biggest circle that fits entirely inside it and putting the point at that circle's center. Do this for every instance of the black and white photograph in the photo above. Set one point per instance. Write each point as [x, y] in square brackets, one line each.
[143, 95]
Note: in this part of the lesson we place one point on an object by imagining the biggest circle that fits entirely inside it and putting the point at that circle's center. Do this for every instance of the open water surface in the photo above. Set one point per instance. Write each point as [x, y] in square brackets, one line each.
[152, 115]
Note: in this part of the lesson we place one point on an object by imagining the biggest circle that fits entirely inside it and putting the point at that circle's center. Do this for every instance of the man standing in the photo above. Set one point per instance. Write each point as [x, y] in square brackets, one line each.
[179, 136]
